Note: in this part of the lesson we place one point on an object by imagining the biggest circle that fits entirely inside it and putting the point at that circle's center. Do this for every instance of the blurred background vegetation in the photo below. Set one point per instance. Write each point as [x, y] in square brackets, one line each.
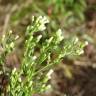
[74, 17]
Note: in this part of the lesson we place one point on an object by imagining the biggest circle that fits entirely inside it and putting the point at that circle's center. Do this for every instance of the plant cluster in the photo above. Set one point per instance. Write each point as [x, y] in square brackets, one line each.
[40, 55]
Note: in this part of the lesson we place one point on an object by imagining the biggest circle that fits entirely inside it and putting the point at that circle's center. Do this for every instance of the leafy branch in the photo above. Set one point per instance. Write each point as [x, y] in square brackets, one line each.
[32, 76]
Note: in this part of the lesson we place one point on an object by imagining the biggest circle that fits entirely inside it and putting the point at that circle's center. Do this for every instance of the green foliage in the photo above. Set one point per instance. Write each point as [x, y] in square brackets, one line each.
[72, 10]
[6, 46]
[33, 74]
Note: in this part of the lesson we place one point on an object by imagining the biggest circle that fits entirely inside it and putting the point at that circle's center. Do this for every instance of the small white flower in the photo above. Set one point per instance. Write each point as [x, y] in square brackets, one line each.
[42, 27]
[14, 70]
[34, 58]
[10, 32]
[49, 73]
[59, 35]
[3, 38]
[50, 40]
[41, 21]
[16, 37]
[30, 83]
[12, 44]
[86, 43]
[79, 52]
[49, 86]
[75, 40]
[39, 37]
[32, 18]
[19, 79]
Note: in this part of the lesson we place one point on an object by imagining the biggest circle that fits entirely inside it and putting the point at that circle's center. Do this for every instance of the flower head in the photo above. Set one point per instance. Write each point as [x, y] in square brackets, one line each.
[40, 23]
